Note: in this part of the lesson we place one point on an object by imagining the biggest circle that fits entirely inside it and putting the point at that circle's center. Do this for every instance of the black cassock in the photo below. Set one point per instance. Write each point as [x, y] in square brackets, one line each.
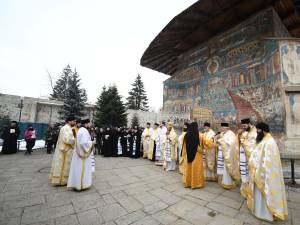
[135, 145]
[99, 140]
[10, 137]
[107, 144]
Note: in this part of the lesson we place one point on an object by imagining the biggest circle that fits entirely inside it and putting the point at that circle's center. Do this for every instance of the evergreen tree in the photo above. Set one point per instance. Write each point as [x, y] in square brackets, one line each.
[137, 98]
[110, 110]
[59, 89]
[135, 120]
[75, 97]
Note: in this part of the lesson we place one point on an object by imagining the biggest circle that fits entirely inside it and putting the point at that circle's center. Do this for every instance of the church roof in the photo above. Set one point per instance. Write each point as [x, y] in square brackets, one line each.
[204, 20]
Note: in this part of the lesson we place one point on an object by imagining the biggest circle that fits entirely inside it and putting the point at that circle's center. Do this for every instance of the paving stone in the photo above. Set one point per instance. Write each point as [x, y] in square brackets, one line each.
[228, 211]
[182, 222]
[23, 201]
[225, 220]
[234, 195]
[86, 202]
[67, 220]
[33, 215]
[119, 195]
[130, 204]
[147, 199]
[248, 218]
[228, 201]
[155, 207]
[146, 221]
[204, 195]
[182, 207]
[90, 217]
[48, 222]
[214, 188]
[198, 216]
[130, 218]
[112, 212]
[165, 217]
[10, 221]
[196, 200]
[108, 199]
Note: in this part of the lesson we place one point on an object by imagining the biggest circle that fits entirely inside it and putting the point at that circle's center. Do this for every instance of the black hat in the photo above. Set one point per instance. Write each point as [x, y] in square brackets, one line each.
[245, 121]
[156, 124]
[148, 123]
[70, 118]
[224, 124]
[78, 120]
[84, 121]
[206, 124]
[263, 126]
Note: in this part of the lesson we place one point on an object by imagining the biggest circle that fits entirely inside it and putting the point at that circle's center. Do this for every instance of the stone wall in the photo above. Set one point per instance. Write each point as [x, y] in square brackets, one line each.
[34, 110]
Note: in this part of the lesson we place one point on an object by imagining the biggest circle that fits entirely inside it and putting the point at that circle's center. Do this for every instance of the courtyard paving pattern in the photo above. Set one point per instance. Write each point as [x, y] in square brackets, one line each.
[125, 191]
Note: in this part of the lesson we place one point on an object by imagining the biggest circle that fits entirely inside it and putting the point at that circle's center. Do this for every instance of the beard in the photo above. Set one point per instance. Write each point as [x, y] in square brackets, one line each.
[247, 129]
[260, 136]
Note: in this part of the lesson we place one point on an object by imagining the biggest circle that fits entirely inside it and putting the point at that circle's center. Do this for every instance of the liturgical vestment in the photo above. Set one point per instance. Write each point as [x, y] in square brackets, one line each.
[266, 196]
[81, 170]
[62, 156]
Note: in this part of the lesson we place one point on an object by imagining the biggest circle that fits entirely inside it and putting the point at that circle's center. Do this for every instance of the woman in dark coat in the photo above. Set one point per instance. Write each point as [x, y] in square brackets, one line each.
[10, 137]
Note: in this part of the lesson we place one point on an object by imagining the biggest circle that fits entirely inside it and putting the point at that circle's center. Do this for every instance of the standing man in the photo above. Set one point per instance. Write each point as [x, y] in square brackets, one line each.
[266, 197]
[63, 152]
[228, 169]
[247, 142]
[134, 143]
[10, 138]
[50, 138]
[147, 144]
[170, 149]
[193, 144]
[107, 143]
[180, 146]
[81, 170]
[155, 142]
[209, 155]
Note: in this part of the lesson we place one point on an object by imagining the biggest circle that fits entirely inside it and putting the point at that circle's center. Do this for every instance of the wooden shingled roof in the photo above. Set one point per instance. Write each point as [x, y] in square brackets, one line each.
[205, 19]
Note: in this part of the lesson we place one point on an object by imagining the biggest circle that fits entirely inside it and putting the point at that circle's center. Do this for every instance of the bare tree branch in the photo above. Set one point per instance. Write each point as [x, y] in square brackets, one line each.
[50, 78]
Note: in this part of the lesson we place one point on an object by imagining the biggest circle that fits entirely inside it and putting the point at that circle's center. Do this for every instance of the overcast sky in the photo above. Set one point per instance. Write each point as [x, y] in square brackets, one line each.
[103, 39]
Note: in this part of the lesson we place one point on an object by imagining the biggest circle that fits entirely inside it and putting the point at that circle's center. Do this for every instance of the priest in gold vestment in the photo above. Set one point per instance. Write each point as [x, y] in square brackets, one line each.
[180, 146]
[266, 197]
[63, 153]
[209, 155]
[247, 142]
[228, 168]
[193, 144]
[147, 142]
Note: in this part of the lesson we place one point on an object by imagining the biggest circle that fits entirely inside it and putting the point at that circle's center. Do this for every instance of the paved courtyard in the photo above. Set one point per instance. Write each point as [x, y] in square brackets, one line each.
[125, 191]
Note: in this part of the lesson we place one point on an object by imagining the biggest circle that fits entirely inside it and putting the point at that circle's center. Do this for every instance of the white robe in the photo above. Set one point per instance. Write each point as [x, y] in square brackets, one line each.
[81, 170]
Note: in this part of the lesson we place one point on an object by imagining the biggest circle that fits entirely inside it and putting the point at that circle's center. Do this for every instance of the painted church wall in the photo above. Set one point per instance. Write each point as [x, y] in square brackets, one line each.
[235, 75]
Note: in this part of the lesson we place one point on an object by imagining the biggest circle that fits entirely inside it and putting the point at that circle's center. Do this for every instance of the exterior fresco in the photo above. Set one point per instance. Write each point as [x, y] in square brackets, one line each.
[232, 76]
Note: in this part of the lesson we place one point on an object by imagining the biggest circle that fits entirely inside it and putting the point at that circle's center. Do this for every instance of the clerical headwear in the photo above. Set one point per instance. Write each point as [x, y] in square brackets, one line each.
[148, 123]
[78, 121]
[224, 124]
[70, 118]
[263, 126]
[156, 124]
[170, 124]
[245, 121]
[206, 124]
[85, 121]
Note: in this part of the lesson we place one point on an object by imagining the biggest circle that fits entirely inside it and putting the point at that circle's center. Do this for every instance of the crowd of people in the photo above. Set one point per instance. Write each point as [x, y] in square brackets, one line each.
[248, 158]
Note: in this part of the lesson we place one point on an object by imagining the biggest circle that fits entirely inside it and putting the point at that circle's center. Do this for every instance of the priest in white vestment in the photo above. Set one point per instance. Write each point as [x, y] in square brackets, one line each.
[228, 169]
[247, 142]
[170, 149]
[159, 144]
[60, 168]
[81, 171]
[266, 197]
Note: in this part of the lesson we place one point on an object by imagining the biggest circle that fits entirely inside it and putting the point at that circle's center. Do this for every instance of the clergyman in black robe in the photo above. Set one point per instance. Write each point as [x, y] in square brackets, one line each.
[107, 143]
[10, 138]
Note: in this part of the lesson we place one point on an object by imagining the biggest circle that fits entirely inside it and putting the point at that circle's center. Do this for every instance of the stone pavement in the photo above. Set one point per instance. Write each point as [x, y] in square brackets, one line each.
[125, 191]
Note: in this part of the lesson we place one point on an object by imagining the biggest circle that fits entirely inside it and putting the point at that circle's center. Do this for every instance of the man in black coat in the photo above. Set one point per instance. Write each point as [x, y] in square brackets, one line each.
[10, 137]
